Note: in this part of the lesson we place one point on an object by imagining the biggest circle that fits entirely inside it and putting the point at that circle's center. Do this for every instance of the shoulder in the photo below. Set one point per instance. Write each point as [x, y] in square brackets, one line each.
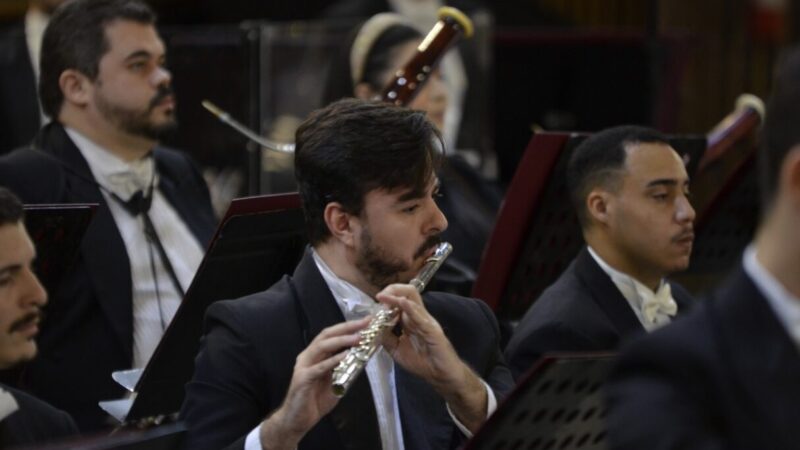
[257, 307]
[565, 304]
[39, 418]
[18, 169]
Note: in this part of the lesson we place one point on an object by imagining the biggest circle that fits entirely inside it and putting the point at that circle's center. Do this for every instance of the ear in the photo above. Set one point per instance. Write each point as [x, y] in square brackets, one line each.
[598, 205]
[364, 91]
[342, 224]
[75, 86]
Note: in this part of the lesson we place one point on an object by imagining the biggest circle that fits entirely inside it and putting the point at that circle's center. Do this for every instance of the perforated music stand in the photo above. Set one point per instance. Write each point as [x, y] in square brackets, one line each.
[57, 232]
[258, 241]
[537, 233]
[559, 404]
[726, 199]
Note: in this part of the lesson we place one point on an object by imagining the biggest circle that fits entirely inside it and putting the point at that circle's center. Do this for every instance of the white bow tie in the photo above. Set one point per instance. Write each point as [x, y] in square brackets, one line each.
[361, 309]
[660, 303]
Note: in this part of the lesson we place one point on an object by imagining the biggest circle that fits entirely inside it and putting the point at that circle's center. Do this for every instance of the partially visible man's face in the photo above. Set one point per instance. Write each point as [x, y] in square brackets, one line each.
[21, 296]
[398, 233]
[651, 219]
[133, 88]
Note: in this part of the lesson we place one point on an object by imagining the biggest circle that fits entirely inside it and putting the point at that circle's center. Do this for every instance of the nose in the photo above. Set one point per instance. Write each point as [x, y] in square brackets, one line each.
[161, 76]
[33, 292]
[438, 220]
[684, 211]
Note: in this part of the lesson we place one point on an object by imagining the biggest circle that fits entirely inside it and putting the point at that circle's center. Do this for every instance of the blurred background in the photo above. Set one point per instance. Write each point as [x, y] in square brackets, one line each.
[578, 65]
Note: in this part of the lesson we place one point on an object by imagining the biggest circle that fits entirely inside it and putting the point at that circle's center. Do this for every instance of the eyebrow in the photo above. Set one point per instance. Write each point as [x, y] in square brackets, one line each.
[418, 193]
[138, 54]
[666, 182]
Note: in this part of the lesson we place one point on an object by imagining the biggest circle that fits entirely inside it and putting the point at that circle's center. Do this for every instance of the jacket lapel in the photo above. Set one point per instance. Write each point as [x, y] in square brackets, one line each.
[354, 416]
[185, 201]
[606, 294]
[765, 360]
[102, 249]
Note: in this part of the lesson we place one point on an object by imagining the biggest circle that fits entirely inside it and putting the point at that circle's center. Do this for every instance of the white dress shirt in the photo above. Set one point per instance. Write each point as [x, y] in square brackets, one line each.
[653, 309]
[785, 305]
[355, 305]
[150, 315]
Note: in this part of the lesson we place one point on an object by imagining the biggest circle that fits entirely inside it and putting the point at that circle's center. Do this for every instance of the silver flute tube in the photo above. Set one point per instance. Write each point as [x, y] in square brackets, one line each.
[370, 338]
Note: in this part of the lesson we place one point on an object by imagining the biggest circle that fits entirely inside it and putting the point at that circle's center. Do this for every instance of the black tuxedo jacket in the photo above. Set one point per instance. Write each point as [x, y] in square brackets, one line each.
[88, 328]
[20, 116]
[34, 422]
[245, 364]
[725, 377]
[583, 311]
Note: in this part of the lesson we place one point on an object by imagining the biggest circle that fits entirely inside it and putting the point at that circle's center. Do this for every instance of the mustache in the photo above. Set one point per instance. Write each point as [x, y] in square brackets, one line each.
[688, 233]
[164, 91]
[431, 242]
[25, 321]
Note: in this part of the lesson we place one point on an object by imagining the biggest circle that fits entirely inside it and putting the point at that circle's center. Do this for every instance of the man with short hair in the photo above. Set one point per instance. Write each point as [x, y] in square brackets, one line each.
[726, 375]
[104, 83]
[366, 175]
[23, 418]
[630, 191]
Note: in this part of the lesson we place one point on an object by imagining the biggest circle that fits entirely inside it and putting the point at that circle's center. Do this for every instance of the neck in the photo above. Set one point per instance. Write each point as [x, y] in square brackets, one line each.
[343, 265]
[613, 257]
[126, 146]
[777, 248]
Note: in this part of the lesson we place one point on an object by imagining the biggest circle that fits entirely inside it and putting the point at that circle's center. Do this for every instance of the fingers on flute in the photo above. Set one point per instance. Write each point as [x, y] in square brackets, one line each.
[332, 340]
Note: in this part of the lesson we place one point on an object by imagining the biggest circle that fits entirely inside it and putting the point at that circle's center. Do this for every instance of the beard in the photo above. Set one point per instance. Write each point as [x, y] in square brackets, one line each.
[381, 269]
[139, 122]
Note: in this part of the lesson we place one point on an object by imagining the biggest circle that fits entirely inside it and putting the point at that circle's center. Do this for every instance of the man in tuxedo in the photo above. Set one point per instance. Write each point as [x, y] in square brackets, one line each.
[630, 192]
[23, 418]
[366, 175]
[104, 82]
[726, 376]
[20, 46]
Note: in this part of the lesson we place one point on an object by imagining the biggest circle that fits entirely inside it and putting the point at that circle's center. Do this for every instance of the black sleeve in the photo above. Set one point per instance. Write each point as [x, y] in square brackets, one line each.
[222, 399]
[656, 400]
[548, 338]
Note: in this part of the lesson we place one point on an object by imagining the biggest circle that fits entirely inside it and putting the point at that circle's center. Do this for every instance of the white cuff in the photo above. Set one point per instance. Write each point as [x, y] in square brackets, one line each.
[491, 405]
[253, 440]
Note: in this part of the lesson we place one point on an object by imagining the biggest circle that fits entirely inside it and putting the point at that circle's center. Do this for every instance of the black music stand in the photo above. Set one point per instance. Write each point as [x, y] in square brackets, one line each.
[166, 437]
[258, 241]
[57, 232]
[558, 404]
[537, 233]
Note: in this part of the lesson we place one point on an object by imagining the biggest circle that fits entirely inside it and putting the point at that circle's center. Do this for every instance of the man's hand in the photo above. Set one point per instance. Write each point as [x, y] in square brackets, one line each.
[310, 396]
[424, 350]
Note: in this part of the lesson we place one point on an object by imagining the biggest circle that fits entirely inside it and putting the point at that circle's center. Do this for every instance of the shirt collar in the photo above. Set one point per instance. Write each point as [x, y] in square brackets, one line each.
[8, 404]
[785, 305]
[121, 177]
[353, 302]
[630, 287]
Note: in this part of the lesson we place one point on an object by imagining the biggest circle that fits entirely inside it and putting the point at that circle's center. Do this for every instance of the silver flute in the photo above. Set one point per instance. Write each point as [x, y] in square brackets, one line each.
[370, 338]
